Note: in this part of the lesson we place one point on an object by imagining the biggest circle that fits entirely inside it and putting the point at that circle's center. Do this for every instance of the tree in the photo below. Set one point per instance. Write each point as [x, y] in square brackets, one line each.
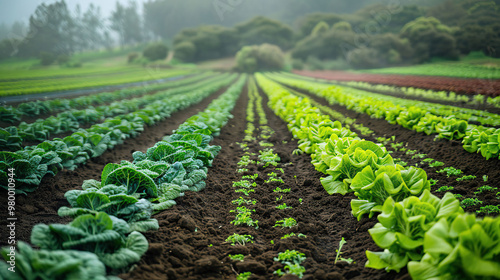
[431, 39]
[261, 30]
[51, 30]
[320, 28]
[126, 22]
[265, 57]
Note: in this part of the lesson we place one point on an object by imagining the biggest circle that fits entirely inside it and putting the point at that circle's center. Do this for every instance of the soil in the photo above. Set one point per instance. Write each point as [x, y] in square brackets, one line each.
[190, 243]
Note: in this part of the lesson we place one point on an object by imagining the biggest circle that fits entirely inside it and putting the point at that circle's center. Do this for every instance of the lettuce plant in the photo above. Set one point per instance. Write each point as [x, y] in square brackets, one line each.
[373, 187]
[461, 248]
[402, 226]
[53, 264]
[99, 233]
[112, 200]
[343, 168]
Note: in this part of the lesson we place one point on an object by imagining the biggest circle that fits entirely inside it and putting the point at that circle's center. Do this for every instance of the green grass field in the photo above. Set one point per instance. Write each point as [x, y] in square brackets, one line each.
[27, 76]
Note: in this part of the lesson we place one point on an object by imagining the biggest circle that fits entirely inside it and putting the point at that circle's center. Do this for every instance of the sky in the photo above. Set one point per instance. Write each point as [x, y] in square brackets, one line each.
[15, 10]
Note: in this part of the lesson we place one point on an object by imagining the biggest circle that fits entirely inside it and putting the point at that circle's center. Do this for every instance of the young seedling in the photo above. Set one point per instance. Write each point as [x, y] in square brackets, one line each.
[469, 202]
[238, 257]
[245, 191]
[290, 256]
[450, 171]
[466, 177]
[300, 235]
[241, 201]
[286, 223]
[436, 164]
[445, 189]
[283, 206]
[280, 190]
[485, 178]
[243, 276]
[485, 189]
[251, 177]
[338, 257]
[293, 269]
[433, 181]
[488, 209]
[239, 239]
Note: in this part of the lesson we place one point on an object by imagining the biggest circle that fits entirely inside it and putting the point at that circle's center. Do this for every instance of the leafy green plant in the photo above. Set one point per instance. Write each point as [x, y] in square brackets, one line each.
[287, 222]
[293, 269]
[283, 206]
[243, 217]
[488, 209]
[241, 201]
[466, 177]
[239, 239]
[450, 171]
[373, 188]
[402, 226]
[436, 164]
[300, 235]
[290, 256]
[52, 264]
[339, 253]
[245, 191]
[485, 178]
[251, 177]
[469, 202]
[237, 257]
[461, 248]
[445, 189]
[100, 234]
[483, 189]
[280, 190]
[244, 276]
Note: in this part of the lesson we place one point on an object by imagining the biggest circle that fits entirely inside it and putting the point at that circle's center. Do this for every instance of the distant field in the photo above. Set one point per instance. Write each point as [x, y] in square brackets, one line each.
[468, 68]
[19, 77]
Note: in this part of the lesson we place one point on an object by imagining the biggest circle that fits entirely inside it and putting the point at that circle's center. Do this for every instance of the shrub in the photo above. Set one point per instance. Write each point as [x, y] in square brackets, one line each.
[185, 51]
[156, 51]
[47, 58]
[363, 58]
[63, 59]
[132, 57]
[320, 28]
[258, 58]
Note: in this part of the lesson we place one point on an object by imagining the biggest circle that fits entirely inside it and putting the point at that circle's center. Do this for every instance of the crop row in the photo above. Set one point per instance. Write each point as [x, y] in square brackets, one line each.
[488, 87]
[34, 162]
[71, 83]
[414, 115]
[34, 108]
[109, 215]
[413, 92]
[12, 137]
[433, 237]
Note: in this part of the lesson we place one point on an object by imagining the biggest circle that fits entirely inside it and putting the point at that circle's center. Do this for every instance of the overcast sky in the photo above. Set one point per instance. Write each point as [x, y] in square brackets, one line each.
[15, 10]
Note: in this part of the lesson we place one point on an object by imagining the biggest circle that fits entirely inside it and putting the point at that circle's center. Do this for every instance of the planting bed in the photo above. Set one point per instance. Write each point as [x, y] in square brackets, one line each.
[460, 86]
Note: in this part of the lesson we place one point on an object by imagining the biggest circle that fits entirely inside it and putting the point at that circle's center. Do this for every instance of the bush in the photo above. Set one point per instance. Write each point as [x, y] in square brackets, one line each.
[430, 38]
[63, 59]
[185, 51]
[363, 58]
[47, 58]
[260, 58]
[132, 57]
[156, 51]
[297, 64]
[320, 28]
